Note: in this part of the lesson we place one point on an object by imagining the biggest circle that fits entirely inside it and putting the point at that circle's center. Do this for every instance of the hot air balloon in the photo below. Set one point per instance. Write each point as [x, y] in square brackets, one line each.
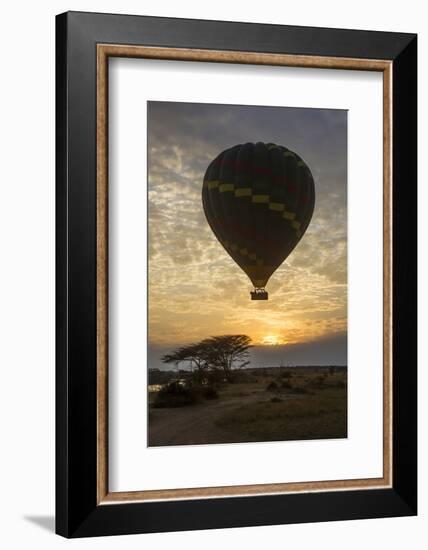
[258, 199]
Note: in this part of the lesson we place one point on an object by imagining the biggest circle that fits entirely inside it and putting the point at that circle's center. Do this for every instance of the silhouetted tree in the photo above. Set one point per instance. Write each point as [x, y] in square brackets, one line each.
[195, 355]
[227, 352]
[223, 353]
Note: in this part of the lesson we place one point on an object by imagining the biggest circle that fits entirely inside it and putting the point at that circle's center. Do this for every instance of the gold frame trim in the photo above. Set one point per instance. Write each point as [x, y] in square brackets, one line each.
[104, 51]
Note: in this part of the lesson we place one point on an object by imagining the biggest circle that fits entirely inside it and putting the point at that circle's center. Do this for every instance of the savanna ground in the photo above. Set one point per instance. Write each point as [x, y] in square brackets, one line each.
[265, 404]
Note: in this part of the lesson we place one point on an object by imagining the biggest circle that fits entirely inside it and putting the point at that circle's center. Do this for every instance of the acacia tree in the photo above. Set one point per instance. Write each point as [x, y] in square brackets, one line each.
[192, 354]
[227, 352]
[223, 353]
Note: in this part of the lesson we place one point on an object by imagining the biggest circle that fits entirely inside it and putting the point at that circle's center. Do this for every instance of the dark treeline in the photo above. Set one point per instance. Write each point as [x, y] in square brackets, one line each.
[158, 376]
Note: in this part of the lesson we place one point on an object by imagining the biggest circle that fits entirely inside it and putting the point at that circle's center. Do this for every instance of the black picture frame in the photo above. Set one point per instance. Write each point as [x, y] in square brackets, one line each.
[77, 512]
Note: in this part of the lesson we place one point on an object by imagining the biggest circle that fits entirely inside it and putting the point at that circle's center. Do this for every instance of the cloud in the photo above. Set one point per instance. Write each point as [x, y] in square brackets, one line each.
[195, 289]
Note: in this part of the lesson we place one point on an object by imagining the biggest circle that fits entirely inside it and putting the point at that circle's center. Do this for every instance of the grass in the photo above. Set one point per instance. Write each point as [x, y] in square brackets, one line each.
[264, 405]
[317, 416]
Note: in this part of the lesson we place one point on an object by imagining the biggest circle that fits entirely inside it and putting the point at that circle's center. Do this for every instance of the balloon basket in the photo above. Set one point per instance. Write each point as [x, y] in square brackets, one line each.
[259, 294]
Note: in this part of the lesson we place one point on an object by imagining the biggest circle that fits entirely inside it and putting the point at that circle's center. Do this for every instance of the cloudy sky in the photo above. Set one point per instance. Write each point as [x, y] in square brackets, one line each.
[195, 288]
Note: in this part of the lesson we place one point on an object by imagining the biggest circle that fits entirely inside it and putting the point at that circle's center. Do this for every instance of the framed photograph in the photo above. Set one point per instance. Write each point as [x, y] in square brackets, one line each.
[236, 274]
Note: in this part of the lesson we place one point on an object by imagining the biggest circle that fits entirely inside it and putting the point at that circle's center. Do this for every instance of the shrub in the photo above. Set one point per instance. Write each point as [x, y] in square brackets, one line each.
[209, 392]
[319, 380]
[175, 395]
[276, 400]
[272, 386]
[286, 385]
[215, 376]
[298, 390]
[243, 378]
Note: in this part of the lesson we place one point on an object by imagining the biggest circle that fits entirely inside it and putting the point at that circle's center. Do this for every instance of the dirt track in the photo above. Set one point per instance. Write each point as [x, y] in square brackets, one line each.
[255, 410]
[195, 425]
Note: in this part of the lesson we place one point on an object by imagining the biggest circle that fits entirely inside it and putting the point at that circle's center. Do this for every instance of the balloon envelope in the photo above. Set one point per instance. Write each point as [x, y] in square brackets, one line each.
[258, 200]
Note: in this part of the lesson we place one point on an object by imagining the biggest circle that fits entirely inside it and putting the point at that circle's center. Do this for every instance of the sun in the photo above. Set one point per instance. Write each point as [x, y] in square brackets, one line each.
[271, 340]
